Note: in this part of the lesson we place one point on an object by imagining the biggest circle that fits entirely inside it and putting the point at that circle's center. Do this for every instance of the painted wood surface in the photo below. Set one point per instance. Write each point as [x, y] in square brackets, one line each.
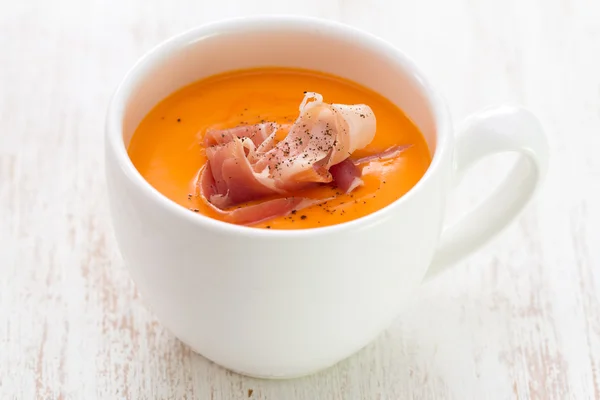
[520, 319]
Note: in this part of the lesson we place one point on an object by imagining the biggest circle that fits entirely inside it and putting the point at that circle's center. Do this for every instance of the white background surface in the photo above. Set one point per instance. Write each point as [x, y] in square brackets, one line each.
[521, 319]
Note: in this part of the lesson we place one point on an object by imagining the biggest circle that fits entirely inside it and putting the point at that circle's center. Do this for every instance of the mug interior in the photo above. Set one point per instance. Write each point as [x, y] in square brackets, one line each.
[276, 41]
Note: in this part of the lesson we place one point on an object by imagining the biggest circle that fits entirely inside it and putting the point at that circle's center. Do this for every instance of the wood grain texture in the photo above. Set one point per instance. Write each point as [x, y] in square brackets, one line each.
[520, 319]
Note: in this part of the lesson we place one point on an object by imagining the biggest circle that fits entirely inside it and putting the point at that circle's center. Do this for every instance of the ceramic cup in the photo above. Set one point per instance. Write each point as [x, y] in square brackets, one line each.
[280, 304]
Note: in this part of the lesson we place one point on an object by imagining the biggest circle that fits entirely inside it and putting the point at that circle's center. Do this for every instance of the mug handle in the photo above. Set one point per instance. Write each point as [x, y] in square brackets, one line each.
[492, 131]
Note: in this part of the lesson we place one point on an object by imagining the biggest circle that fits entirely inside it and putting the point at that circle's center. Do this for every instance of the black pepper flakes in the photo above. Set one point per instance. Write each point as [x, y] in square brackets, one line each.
[294, 212]
[303, 217]
[178, 119]
[268, 226]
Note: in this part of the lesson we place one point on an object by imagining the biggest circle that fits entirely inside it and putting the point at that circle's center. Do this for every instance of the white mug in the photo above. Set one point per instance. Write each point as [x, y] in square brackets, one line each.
[286, 303]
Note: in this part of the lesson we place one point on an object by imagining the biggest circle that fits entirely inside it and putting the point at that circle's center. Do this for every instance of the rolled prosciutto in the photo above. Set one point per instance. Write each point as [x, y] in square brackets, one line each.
[246, 163]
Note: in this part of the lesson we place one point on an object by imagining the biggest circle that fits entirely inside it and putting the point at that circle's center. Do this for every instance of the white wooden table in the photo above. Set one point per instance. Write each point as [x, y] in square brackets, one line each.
[521, 319]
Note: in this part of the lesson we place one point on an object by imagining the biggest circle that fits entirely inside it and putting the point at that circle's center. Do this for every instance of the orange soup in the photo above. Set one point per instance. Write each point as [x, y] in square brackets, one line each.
[168, 147]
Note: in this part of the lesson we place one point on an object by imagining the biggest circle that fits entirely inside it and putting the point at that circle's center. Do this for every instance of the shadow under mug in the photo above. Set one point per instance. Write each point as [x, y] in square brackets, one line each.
[281, 304]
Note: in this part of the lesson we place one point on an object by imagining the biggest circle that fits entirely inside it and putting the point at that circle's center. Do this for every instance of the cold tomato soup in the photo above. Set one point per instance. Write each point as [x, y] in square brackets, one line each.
[186, 147]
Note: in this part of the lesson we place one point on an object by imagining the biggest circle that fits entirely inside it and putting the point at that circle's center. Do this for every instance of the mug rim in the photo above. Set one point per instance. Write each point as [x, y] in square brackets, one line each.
[117, 106]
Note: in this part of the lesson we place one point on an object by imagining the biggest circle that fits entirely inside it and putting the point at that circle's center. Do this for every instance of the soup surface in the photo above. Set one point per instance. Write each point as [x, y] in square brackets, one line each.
[167, 147]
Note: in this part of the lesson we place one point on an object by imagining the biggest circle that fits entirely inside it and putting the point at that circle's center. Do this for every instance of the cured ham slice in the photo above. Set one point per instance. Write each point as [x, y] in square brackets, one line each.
[346, 175]
[231, 183]
[250, 214]
[246, 163]
[267, 210]
[323, 135]
[388, 154]
[257, 133]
